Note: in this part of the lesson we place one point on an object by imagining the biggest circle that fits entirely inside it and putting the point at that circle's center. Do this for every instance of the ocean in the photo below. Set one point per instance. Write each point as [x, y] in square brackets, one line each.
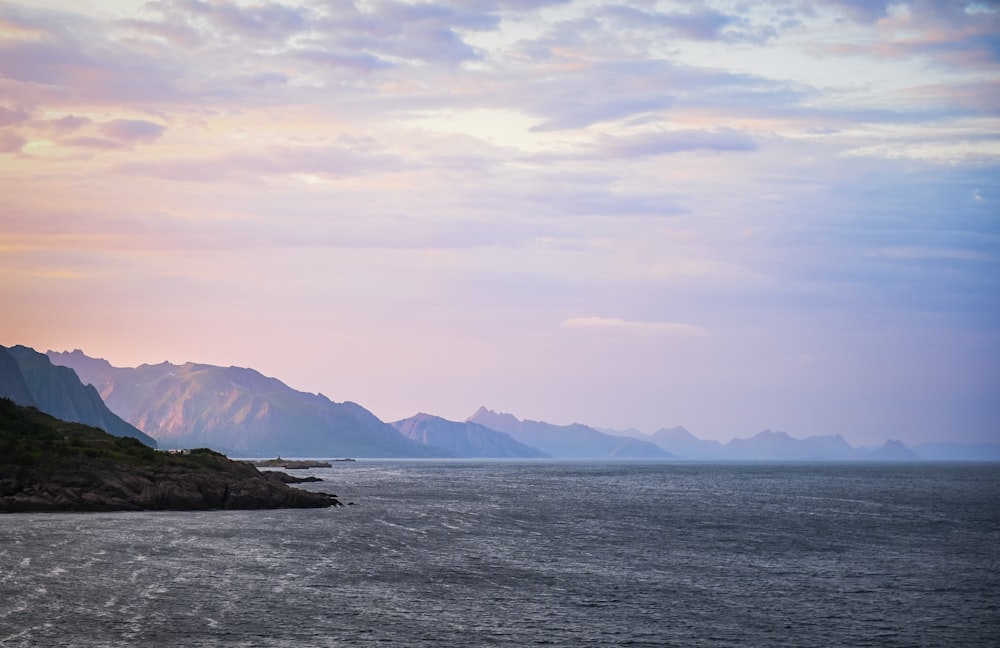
[531, 553]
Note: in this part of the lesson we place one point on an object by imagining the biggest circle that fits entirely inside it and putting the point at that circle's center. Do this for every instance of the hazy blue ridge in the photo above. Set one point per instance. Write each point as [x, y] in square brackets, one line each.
[464, 439]
[240, 412]
[33, 380]
[575, 441]
[893, 450]
[684, 444]
[770, 445]
[767, 445]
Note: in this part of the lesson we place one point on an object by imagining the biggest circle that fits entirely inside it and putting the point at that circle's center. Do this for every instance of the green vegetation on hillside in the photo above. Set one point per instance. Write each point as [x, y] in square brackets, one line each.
[29, 437]
[47, 464]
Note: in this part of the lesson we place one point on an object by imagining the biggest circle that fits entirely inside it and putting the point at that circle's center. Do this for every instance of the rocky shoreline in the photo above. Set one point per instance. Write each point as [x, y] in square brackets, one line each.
[49, 465]
[87, 485]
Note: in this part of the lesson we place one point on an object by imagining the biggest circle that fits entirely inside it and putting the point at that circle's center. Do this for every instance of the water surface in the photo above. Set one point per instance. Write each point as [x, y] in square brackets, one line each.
[456, 553]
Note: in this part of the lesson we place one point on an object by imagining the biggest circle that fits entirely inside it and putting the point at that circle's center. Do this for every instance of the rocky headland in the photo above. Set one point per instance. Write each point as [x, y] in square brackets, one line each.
[47, 464]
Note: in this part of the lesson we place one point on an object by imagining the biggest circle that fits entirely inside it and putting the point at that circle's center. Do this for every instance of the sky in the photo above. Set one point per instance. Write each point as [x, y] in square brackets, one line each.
[729, 216]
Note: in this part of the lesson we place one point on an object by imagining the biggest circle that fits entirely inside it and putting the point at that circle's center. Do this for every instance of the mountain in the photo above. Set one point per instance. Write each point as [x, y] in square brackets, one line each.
[501, 422]
[959, 451]
[28, 378]
[764, 446]
[680, 442]
[779, 446]
[12, 384]
[769, 445]
[47, 464]
[574, 441]
[892, 451]
[463, 439]
[238, 411]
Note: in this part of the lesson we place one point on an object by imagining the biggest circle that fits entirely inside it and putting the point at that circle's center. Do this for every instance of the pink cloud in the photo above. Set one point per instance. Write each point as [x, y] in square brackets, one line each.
[68, 123]
[133, 130]
[87, 141]
[9, 117]
[11, 142]
[615, 324]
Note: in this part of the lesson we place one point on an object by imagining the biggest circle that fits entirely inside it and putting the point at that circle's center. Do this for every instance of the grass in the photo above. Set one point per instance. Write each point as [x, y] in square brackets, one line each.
[31, 438]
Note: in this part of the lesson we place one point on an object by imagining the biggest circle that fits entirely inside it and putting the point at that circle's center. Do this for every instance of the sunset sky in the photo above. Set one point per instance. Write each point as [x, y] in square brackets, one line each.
[724, 215]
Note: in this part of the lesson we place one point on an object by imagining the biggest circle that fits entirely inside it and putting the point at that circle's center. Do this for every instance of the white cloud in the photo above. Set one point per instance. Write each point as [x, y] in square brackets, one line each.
[929, 253]
[615, 324]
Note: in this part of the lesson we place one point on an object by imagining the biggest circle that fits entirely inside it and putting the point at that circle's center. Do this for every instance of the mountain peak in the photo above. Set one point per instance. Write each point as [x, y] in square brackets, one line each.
[893, 450]
[675, 433]
[501, 422]
[58, 391]
[76, 357]
[463, 439]
[771, 434]
[240, 411]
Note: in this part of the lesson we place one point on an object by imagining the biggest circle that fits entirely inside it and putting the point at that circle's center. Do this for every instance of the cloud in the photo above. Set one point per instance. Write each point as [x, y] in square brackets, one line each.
[9, 117]
[591, 92]
[332, 160]
[699, 23]
[583, 93]
[115, 134]
[174, 31]
[133, 130]
[357, 61]
[11, 142]
[679, 141]
[265, 21]
[428, 32]
[867, 11]
[946, 33]
[67, 124]
[67, 54]
[929, 253]
[613, 324]
[91, 142]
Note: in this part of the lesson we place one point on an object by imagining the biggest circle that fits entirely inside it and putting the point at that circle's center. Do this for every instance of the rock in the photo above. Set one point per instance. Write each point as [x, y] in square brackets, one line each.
[90, 485]
[50, 465]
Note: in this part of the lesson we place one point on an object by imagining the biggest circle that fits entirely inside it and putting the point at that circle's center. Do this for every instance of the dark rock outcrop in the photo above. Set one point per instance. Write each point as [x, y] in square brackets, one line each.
[51, 465]
[86, 484]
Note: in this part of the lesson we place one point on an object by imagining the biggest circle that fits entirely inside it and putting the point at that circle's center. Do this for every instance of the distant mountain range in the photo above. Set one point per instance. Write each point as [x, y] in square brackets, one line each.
[769, 445]
[574, 441]
[238, 411]
[243, 413]
[29, 379]
[464, 439]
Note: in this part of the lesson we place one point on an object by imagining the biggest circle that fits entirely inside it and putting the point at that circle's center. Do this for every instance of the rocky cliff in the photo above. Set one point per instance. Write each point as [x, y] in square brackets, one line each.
[29, 378]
